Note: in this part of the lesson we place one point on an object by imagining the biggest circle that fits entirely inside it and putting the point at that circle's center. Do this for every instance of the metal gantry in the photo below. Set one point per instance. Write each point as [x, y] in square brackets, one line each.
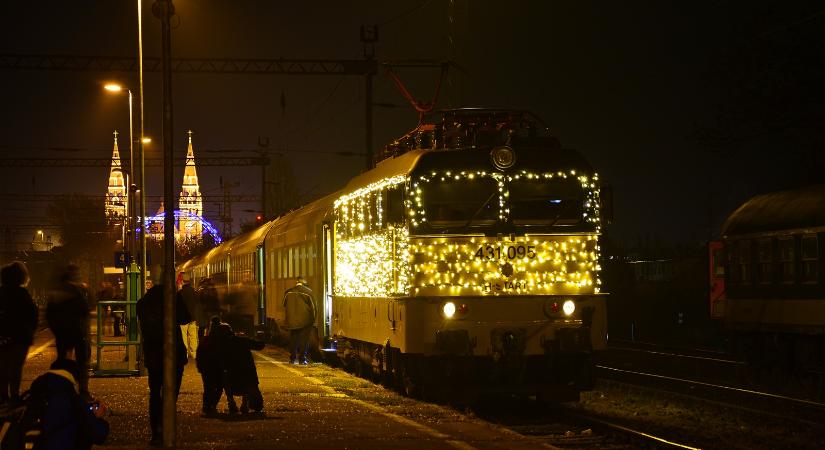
[268, 66]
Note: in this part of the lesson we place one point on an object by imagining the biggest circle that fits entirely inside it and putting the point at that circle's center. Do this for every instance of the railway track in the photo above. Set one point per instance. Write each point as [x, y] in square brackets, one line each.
[803, 411]
[569, 427]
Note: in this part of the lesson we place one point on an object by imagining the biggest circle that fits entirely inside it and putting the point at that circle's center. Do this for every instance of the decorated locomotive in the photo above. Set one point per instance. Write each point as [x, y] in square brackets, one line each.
[469, 256]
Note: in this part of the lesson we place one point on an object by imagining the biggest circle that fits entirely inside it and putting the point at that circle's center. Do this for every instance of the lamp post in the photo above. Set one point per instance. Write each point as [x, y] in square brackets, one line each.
[114, 87]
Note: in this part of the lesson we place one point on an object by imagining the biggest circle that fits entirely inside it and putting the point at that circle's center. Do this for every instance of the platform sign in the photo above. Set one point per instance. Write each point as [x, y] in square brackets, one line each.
[122, 259]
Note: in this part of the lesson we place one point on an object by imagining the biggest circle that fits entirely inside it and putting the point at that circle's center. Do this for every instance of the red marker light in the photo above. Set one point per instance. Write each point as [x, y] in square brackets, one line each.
[555, 307]
[463, 309]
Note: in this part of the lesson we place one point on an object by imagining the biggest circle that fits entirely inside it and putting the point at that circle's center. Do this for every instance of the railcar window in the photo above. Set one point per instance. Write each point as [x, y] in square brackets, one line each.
[765, 258]
[311, 260]
[302, 266]
[290, 265]
[546, 202]
[463, 203]
[394, 206]
[787, 260]
[810, 259]
[740, 258]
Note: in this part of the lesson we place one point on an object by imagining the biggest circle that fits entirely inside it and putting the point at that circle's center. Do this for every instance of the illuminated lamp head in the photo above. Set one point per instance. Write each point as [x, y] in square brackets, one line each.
[569, 307]
[503, 157]
[448, 309]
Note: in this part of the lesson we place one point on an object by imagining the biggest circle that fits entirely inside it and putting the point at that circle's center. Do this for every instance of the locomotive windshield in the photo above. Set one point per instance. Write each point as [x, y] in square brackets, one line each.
[461, 203]
[496, 204]
[546, 202]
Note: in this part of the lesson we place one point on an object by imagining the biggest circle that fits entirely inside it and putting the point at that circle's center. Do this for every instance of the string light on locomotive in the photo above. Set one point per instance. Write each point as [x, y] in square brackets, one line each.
[415, 203]
[378, 259]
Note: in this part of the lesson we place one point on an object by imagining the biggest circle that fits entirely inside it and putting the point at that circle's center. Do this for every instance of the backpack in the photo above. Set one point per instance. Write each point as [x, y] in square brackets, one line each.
[22, 424]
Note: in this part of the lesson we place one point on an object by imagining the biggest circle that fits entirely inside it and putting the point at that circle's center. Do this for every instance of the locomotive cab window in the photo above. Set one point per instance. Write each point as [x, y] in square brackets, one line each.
[546, 202]
[465, 203]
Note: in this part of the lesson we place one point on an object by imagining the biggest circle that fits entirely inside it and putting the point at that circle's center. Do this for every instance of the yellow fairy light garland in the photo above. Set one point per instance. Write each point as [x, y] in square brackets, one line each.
[375, 260]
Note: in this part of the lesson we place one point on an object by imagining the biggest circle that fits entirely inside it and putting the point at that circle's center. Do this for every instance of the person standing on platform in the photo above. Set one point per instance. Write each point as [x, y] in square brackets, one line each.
[67, 313]
[241, 375]
[210, 367]
[209, 302]
[190, 330]
[300, 319]
[18, 322]
[150, 314]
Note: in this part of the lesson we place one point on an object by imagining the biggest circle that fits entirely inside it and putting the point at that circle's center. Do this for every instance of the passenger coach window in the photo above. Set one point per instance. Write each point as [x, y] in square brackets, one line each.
[765, 254]
[546, 202]
[740, 257]
[462, 203]
[810, 259]
[787, 260]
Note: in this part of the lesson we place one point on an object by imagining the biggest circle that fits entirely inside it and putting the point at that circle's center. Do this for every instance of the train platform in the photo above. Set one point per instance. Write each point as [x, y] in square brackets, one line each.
[308, 407]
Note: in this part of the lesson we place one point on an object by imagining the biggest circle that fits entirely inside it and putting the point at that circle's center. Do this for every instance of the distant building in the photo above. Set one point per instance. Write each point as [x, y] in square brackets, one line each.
[190, 202]
[116, 194]
[189, 221]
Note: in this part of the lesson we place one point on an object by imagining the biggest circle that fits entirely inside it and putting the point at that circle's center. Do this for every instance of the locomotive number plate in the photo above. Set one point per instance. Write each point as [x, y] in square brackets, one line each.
[506, 252]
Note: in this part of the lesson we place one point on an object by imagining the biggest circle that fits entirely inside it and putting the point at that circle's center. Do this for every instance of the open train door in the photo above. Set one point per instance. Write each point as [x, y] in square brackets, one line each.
[327, 242]
[716, 288]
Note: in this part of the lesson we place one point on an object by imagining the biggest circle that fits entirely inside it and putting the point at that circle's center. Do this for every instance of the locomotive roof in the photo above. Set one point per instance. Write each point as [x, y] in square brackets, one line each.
[776, 211]
[400, 165]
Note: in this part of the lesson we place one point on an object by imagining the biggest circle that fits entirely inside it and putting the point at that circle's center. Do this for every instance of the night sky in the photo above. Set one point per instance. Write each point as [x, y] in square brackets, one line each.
[633, 85]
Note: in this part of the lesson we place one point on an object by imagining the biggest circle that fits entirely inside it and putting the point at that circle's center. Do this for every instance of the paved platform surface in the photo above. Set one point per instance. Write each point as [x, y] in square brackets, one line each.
[306, 407]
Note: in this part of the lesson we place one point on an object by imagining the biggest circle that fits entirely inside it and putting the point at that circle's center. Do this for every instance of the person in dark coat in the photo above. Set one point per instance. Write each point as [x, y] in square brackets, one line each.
[300, 319]
[190, 330]
[210, 367]
[150, 314]
[18, 322]
[67, 313]
[208, 300]
[241, 374]
[221, 335]
[69, 423]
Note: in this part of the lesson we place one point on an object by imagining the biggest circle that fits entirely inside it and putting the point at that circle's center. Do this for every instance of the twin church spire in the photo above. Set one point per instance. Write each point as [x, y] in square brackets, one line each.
[190, 200]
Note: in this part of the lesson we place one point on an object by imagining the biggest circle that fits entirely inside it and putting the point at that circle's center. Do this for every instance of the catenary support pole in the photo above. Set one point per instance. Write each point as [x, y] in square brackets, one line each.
[165, 9]
[141, 186]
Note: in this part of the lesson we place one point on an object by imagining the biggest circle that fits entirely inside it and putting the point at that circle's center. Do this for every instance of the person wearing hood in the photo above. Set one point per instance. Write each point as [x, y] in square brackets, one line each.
[67, 313]
[18, 322]
[69, 423]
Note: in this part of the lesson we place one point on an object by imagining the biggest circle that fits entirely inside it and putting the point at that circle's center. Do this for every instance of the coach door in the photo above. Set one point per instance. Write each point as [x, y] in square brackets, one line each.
[328, 243]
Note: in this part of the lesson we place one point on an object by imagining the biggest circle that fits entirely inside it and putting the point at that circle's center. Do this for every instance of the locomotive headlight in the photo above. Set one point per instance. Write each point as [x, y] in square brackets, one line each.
[569, 307]
[448, 309]
[503, 157]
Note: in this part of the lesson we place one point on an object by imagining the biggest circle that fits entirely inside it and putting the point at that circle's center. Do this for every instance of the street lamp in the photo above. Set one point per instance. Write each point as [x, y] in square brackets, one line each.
[114, 87]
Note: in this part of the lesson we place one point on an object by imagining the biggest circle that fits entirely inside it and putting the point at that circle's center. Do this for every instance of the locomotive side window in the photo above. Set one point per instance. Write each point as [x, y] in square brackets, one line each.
[765, 258]
[786, 259]
[546, 202]
[394, 206]
[810, 259]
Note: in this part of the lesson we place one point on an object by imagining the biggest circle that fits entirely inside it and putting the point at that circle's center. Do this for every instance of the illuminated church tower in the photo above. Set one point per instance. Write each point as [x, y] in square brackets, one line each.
[190, 198]
[116, 198]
